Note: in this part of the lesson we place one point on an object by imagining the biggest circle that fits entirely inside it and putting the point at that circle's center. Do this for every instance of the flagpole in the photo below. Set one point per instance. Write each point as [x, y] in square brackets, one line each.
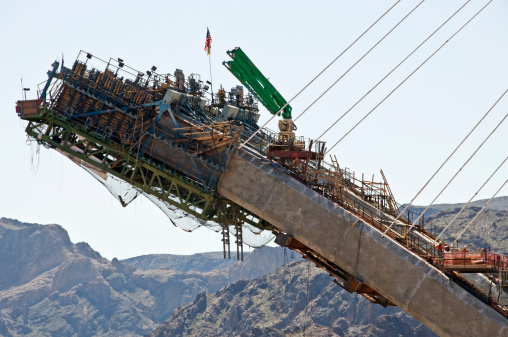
[211, 79]
[208, 49]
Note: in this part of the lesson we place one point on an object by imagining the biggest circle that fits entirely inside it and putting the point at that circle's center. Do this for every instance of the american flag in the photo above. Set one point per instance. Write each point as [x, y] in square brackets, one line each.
[208, 43]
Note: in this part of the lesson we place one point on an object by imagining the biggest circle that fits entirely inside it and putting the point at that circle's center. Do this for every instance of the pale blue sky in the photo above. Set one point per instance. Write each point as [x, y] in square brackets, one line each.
[408, 136]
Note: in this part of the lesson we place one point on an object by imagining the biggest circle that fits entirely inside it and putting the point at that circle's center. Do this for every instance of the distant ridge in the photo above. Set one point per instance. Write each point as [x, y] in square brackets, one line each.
[201, 262]
[499, 204]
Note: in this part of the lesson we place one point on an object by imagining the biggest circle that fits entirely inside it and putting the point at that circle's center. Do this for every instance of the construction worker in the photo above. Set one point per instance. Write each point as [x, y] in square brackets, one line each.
[440, 250]
[464, 250]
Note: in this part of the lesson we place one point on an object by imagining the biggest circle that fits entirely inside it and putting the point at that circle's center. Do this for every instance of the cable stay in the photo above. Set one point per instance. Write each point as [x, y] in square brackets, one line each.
[384, 99]
[322, 71]
[465, 205]
[359, 60]
[443, 164]
[467, 161]
[398, 65]
[480, 212]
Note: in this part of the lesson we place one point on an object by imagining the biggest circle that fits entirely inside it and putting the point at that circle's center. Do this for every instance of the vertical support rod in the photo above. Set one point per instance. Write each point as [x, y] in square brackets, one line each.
[225, 241]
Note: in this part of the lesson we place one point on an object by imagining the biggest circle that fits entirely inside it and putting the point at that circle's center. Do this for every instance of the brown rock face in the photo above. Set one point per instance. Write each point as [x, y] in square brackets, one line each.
[298, 299]
[52, 287]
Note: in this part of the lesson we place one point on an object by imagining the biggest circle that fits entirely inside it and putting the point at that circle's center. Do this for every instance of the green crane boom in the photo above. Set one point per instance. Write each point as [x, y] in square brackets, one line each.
[250, 76]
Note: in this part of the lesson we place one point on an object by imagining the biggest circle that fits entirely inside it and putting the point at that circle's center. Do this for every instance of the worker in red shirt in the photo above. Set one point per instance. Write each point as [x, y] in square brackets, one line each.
[440, 250]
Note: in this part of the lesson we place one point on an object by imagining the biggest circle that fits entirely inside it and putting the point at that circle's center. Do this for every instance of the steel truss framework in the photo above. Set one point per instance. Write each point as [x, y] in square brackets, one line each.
[161, 182]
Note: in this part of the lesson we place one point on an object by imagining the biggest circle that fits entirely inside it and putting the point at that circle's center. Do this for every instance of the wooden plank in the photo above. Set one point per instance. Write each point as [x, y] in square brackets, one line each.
[215, 147]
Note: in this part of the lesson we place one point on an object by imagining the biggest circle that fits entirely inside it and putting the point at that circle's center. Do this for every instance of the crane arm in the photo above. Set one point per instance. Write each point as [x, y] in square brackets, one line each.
[250, 76]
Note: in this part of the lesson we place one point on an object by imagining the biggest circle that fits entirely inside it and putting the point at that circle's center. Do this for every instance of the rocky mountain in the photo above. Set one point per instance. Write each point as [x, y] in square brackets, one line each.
[490, 229]
[297, 300]
[52, 287]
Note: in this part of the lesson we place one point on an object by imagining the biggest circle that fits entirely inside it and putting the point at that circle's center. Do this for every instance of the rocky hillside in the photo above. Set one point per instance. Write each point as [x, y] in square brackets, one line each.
[297, 300]
[52, 287]
[490, 229]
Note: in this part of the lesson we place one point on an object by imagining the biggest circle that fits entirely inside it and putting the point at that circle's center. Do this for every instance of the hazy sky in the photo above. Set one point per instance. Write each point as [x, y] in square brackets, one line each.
[408, 136]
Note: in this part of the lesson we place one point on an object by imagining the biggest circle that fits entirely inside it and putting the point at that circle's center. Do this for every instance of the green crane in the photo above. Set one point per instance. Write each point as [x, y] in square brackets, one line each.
[250, 76]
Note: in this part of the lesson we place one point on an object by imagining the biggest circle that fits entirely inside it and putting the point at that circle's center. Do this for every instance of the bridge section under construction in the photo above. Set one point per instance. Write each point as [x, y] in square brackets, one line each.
[347, 242]
[157, 135]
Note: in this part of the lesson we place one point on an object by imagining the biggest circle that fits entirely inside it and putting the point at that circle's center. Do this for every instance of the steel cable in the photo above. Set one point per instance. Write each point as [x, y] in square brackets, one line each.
[466, 204]
[480, 212]
[398, 65]
[322, 71]
[449, 182]
[361, 58]
[368, 114]
[440, 167]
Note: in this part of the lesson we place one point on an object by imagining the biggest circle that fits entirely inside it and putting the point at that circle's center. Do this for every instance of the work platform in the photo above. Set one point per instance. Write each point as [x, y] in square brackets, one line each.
[478, 262]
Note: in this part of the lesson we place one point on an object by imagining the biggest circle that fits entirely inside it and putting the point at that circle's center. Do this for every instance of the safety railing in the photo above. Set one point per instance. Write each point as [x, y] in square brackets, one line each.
[474, 260]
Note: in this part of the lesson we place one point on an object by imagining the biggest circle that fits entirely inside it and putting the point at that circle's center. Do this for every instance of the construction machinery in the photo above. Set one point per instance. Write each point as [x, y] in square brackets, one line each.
[286, 145]
[250, 76]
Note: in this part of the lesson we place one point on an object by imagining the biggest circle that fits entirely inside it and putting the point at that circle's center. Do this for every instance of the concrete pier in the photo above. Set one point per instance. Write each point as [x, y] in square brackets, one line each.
[381, 263]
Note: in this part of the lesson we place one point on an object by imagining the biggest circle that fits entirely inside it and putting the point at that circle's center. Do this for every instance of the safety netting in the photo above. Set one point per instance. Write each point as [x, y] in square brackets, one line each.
[125, 193]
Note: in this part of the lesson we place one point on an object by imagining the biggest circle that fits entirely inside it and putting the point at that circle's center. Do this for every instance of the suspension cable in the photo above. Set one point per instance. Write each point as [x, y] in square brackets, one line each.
[401, 83]
[398, 65]
[443, 164]
[467, 161]
[465, 205]
[361, 58]
[322, 71]
[480, 212]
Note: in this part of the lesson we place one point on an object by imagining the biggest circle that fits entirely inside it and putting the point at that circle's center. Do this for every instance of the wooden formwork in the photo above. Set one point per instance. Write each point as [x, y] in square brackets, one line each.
[29, 108]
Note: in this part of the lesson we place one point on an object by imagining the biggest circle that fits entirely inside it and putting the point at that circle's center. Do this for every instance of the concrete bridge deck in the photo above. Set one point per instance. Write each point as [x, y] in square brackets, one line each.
[380, 262]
